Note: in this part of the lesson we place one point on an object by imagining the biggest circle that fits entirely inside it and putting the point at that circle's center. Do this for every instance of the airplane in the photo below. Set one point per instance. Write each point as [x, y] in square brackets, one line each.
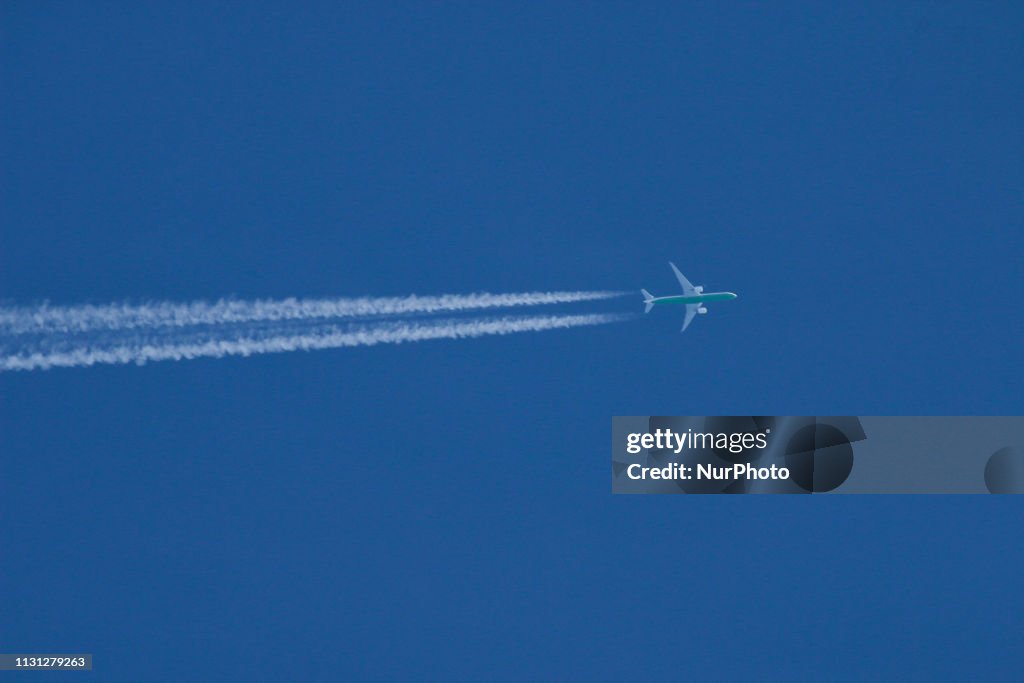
[693, 298]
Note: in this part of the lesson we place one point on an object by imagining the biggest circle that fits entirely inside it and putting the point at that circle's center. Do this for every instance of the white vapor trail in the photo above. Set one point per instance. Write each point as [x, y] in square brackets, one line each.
[84, 318]
[218, 343]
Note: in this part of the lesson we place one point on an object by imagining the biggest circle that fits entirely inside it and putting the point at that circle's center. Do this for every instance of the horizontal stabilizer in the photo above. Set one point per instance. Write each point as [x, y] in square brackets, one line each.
[648, 300]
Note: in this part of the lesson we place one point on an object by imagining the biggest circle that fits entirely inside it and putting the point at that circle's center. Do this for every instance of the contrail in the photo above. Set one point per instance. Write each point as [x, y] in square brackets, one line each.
[73, 319]
[138, 349]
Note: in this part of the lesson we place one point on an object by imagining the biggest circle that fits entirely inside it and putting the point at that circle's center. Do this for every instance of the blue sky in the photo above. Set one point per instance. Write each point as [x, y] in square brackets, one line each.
[444, 508]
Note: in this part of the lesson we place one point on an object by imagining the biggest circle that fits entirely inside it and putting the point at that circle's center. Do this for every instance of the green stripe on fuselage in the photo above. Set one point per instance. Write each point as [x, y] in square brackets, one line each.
[696, 298]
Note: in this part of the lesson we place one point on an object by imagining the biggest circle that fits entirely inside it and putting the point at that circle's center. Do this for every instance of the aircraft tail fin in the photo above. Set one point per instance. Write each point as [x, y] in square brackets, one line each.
[648, 300]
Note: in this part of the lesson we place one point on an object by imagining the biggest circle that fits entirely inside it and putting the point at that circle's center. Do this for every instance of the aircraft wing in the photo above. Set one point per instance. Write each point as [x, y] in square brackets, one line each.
[691, 311]
[688, 289]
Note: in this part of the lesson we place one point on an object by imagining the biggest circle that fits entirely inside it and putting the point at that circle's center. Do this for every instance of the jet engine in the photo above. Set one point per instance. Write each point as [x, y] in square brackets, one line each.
[699, 289]
[702, 310]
